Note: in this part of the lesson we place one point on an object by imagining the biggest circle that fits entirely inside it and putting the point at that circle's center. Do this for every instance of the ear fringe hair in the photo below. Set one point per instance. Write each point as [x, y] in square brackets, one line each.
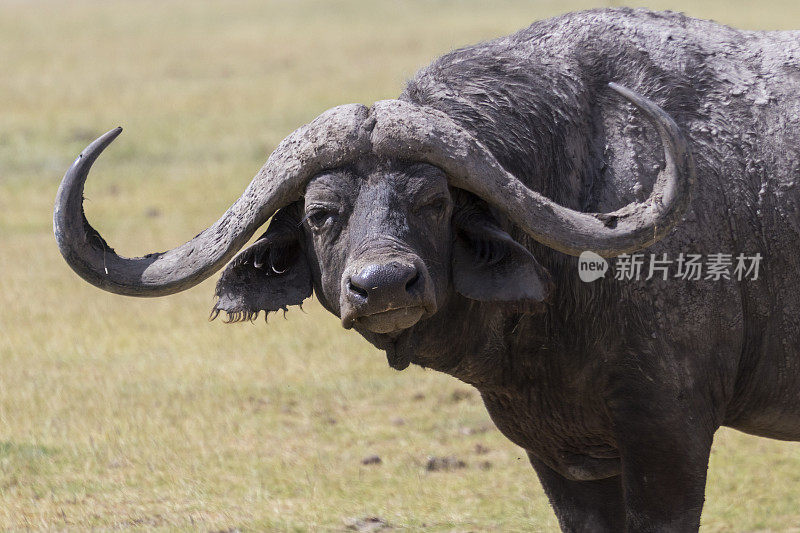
[244, 315]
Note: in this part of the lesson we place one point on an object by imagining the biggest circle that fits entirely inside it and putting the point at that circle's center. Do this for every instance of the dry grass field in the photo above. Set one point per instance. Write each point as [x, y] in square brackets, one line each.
[123, 413]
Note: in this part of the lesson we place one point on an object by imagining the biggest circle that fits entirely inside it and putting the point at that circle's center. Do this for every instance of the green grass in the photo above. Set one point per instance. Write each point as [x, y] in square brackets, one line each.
[117, 412]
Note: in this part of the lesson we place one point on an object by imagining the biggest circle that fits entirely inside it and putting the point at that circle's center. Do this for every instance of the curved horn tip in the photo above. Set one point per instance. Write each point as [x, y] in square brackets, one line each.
[69, 198]
[108, 136]
[103, 141]
[79, 170]
[644, 104]
[633, 97]
[96, 147]
[624, 91]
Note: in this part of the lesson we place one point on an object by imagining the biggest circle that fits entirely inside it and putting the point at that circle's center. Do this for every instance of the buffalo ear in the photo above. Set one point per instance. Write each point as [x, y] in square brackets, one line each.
[268, 275]
[490, 266]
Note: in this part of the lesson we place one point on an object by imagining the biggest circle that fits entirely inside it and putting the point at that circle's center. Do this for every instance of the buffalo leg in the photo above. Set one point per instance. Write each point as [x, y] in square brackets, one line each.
[664, 451]
[583, 506]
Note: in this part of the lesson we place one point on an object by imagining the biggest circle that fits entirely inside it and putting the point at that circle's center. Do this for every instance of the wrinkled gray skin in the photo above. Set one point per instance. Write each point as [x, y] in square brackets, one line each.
[615, 389]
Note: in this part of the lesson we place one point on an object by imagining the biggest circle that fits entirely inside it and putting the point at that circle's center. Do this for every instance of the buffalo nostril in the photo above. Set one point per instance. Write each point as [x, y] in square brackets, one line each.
[412, 282]
[352, 287]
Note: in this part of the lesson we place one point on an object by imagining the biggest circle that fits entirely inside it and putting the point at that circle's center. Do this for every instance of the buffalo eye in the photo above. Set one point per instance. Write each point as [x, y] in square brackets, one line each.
[434, 206]
[318, 216]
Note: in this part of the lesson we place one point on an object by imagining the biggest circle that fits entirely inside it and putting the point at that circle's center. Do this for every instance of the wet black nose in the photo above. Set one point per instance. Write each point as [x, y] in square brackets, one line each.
[390, 284]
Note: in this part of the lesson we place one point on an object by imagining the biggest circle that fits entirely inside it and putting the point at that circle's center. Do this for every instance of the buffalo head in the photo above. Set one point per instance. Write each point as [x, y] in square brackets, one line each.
[386, 212]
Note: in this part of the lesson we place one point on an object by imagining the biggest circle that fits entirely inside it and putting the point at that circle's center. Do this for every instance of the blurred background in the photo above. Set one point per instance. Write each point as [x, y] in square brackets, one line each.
[116, 412]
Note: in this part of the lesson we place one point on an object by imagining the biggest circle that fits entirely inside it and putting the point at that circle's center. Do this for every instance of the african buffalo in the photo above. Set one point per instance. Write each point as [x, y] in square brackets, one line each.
[444, 227]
